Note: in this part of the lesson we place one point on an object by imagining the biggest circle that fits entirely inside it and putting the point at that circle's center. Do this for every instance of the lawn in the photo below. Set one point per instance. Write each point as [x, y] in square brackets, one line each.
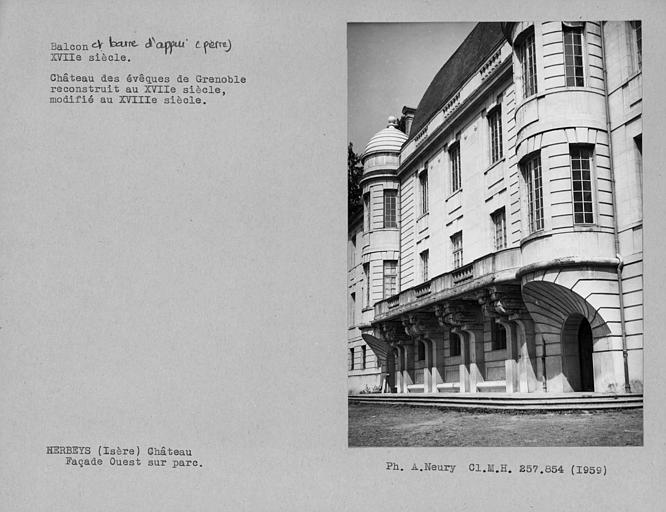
[404, 425]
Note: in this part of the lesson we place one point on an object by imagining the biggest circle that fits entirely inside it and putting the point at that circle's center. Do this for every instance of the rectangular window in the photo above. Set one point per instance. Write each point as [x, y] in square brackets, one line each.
[454, 157]
[581, 183]
[423, 186]
[420, 355]
[499, 224]
[527, 57]
[637, 41]
[424, 266]
[390, 278]
[532, 173]
[390, 209]
[498, 335]
[573, 56]
[366, 275]
[351, 358]
[352, 309]
[366, 212]
[457, 249]
[364, 355]
[638, 141]
[352, 251]
[454, 344]
[495, 124]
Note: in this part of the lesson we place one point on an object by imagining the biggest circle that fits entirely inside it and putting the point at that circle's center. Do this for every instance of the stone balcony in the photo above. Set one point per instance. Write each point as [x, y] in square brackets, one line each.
[495, 268]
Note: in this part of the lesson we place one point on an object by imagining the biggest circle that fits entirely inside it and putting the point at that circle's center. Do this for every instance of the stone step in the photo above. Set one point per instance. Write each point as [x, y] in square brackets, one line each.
[540, 402]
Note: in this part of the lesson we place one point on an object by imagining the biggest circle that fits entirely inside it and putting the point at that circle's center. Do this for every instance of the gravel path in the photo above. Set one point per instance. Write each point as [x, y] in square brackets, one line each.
[402, 425]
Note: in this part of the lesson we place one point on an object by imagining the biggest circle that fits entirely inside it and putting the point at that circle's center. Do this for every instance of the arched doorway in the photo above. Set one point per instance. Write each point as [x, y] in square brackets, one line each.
[585, 356]
[577, 348]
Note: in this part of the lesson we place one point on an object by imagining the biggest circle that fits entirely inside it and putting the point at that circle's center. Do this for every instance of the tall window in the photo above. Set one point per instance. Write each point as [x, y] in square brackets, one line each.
[498, 335]
[582, 185]
[424, 266]
[637, 42]
[499, 225]
[390, 209]
[423, 187]
[390, 278]
[352, 309]
[421, 350]
[638, 142]
[457, 249]
[351, 358]
[366, 275]
[364, 354]
[454, 345]
[366, 212]
[454, 158]
[532, 173]
[573, 55]
[495, 124]
[527, 57]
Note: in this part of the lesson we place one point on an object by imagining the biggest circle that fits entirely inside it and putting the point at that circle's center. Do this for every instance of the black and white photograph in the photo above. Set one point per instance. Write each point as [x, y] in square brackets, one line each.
[495, 255]
[198, 313]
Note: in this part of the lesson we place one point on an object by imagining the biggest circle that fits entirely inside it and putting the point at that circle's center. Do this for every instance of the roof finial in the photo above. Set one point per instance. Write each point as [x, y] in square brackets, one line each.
[392, 121]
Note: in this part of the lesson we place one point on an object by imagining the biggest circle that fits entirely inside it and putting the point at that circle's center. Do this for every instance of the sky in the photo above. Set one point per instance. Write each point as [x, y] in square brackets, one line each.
[390, 65]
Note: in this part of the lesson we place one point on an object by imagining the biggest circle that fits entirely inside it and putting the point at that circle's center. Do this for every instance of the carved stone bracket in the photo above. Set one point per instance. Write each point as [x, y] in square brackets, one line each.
[504, 302]
[393, 333]
[455, 314]
[419, 325]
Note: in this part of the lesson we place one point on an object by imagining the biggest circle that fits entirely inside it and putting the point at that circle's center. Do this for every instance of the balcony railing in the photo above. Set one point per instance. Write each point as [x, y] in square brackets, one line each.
[463, 273]
[422, 289]
[495, 267]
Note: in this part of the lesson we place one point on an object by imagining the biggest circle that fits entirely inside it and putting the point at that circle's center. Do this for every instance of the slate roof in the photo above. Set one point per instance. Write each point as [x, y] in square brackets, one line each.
[466, 60]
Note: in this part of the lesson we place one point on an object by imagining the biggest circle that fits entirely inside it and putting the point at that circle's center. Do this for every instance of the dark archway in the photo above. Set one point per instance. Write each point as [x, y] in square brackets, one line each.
[577, 348]
[585, 356]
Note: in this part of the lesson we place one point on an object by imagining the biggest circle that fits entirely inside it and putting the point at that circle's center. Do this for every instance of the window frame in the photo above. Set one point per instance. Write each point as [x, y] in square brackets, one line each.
[366, 212]
[364, 356]
[420, 351]
[457, 249]
[455, 173]
[494, 118]
[394, 276]
[587, 213]
[351, 359]
[390, 193]
[424, 257]
[579, 31]
[499, 229]
[534, 187]
[366, 275]
[455, 341]
[424, 190]
[636, 44]
[528, 63]
[498, 342]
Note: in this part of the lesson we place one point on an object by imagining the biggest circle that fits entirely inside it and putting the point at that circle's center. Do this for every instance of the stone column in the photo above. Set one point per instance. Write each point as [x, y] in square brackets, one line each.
[476, 356]
[510, 364]
[398, 370]
[436, 377]
[408, 362]
[463, 368]
[462, 317]
[422, 327]
[528, 380]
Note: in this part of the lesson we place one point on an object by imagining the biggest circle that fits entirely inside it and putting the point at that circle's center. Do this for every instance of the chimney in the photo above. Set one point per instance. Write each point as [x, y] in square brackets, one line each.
[408, 114]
